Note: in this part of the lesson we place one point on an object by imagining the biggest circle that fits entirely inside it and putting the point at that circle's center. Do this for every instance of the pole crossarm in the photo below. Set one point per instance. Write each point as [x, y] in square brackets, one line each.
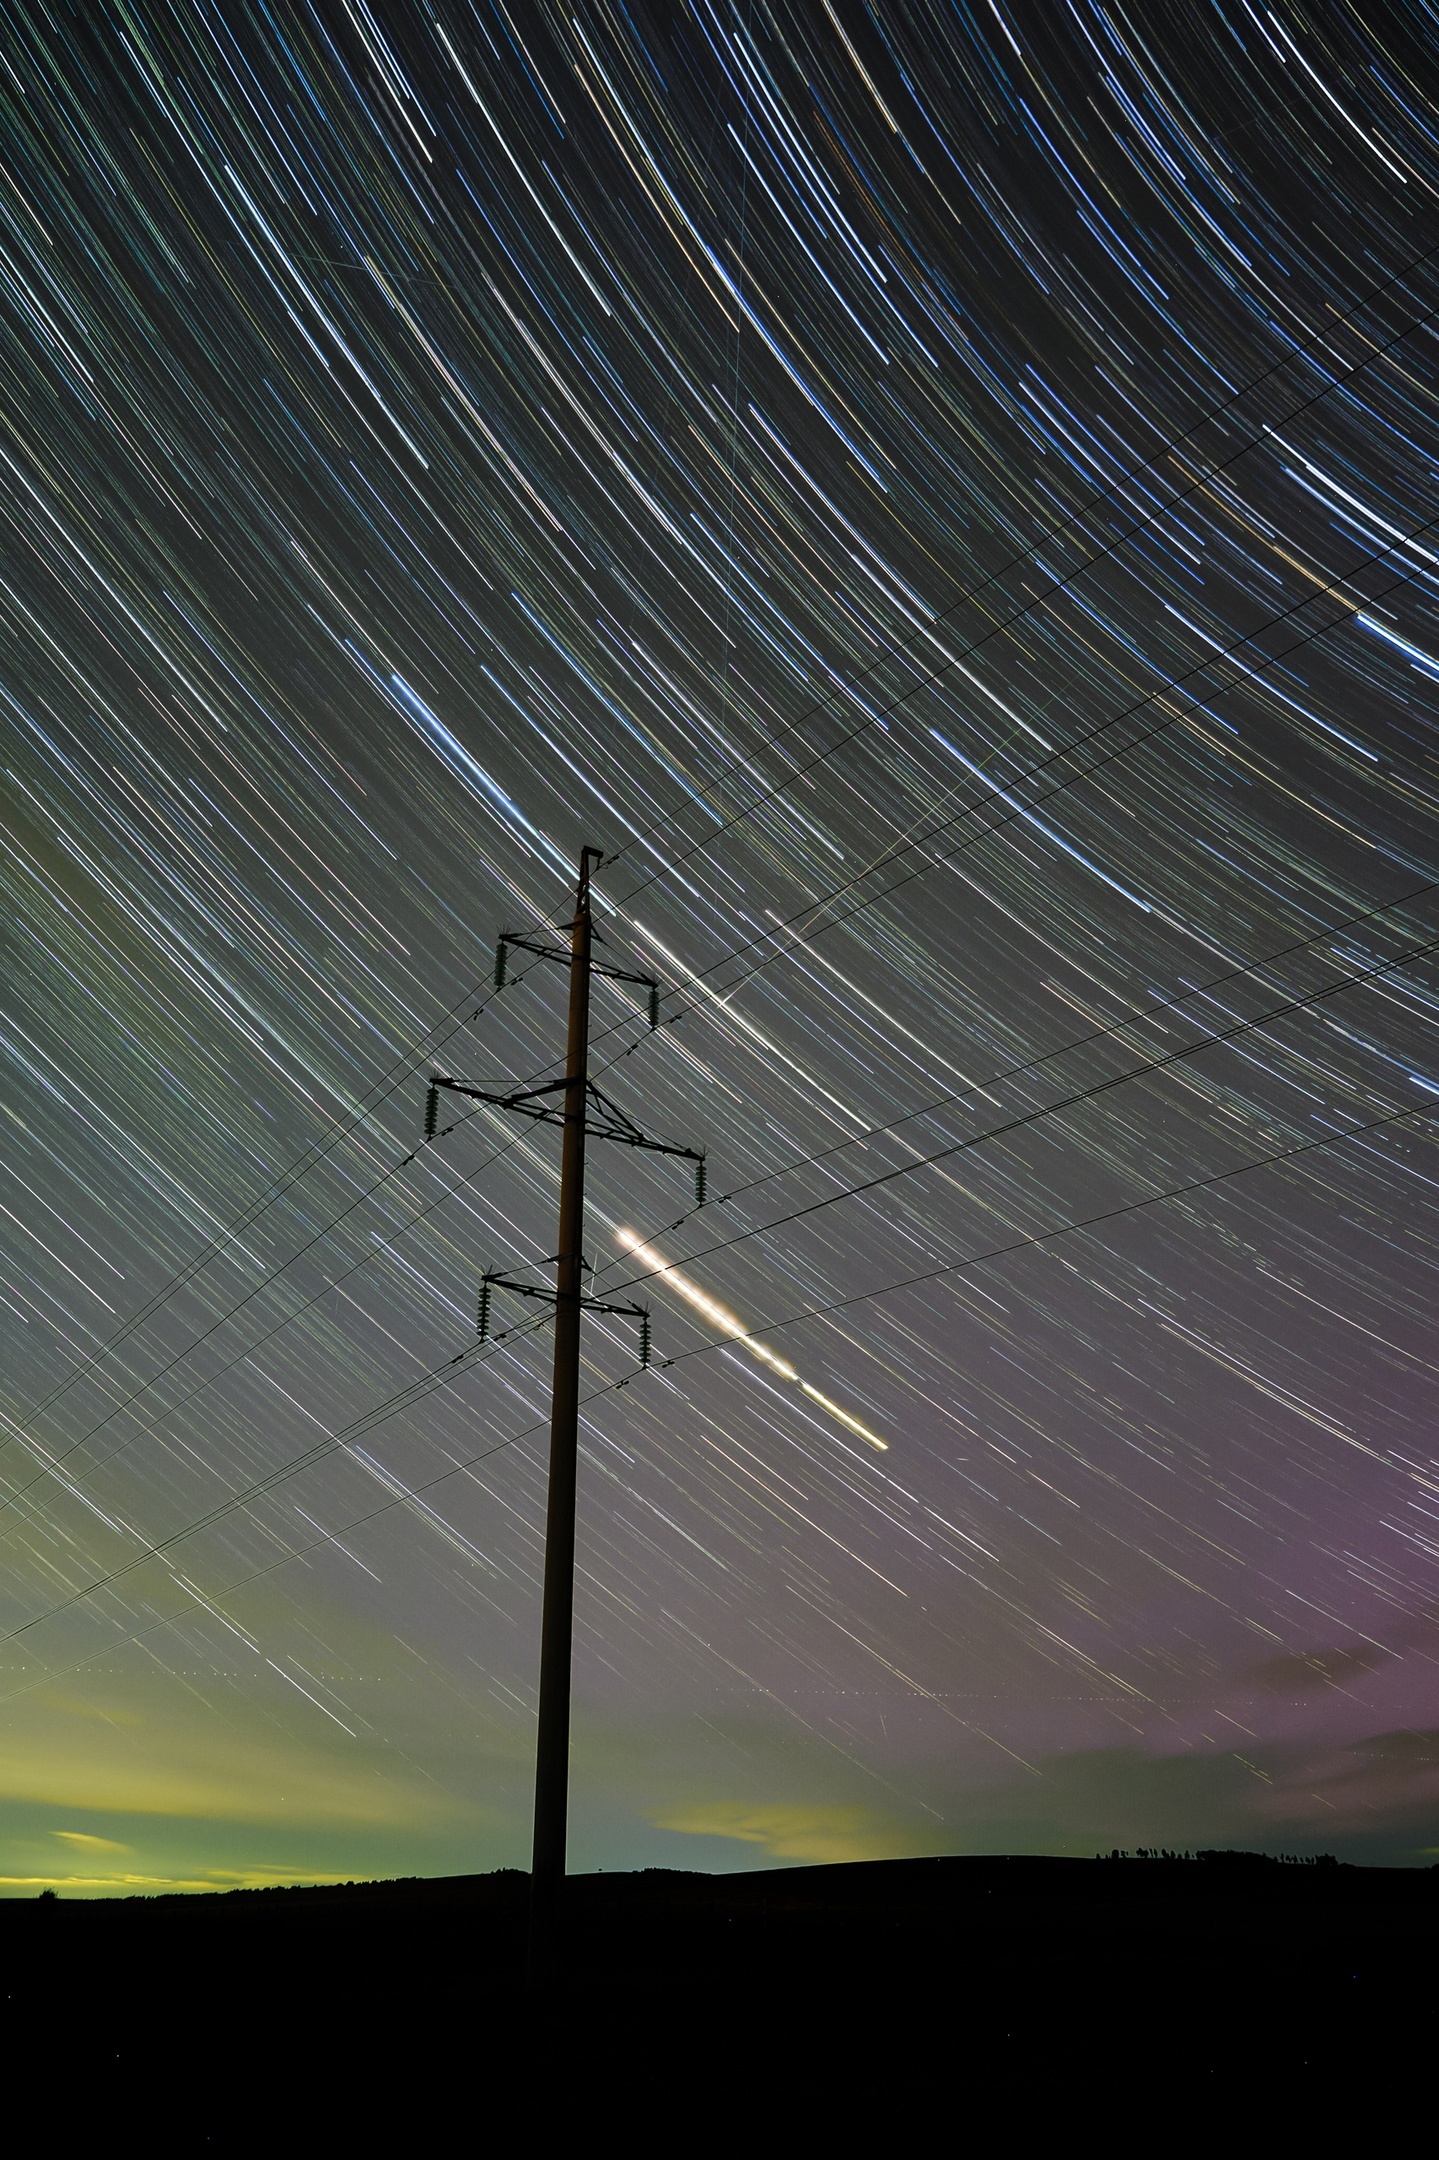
[497, 1280]
[516, 940]
[612, 1124]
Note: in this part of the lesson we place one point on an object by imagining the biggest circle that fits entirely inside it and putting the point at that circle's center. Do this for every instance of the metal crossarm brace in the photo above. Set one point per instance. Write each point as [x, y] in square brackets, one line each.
[521, 1100]
[618, 1126]
[550, 1297]
[561, 954]
[623, 1128]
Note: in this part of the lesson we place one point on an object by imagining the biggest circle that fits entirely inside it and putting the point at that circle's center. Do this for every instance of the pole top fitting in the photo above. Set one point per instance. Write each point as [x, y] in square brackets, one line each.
[590, 860]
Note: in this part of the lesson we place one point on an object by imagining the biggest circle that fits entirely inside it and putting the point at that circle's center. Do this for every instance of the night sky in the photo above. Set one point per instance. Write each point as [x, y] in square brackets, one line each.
[944, 495]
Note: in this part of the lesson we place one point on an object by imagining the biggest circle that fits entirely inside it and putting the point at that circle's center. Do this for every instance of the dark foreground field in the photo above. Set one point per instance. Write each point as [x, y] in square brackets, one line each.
[923, 2001]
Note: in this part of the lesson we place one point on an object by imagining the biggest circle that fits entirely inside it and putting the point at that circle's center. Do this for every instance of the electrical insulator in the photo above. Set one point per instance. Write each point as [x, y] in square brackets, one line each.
[654, 1005]
[502, 954]
[484, 1310]
[701, 1182]
[644, 1338]
[432, 1104]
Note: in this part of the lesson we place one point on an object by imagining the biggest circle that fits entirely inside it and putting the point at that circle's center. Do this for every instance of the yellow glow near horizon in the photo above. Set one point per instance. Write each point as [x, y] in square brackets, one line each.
[730, 1324]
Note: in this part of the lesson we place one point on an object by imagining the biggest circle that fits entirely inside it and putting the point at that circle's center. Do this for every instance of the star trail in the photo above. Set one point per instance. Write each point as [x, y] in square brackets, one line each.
[945, 497]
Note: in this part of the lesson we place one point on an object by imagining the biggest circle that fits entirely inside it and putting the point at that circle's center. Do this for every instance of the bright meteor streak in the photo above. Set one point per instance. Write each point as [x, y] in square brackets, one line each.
[731, 1324]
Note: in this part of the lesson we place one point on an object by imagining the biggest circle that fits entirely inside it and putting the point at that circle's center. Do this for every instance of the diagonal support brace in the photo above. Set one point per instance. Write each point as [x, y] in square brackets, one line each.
[516, 941]
[613, 1123]
[494, 1279]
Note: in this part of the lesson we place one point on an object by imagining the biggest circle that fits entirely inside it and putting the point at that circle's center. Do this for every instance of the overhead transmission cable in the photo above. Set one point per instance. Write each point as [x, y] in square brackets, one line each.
[425, 1384]
[1012, 811]
[21, 1428]
[1018, 1123]
[1112, 1029]
[309, 1156]
[1015, 811]
[52, 1467]
[1070, 1229]
[1073, 1101]
[438, 1378]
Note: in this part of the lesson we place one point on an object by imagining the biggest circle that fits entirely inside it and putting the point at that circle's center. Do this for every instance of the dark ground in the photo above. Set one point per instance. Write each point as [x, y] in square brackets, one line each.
[915, 2002]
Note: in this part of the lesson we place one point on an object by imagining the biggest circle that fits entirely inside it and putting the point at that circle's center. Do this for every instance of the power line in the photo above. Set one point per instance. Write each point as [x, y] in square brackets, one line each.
[309, 1156]
[1056, 1109]
[1162, 689]
[769, 1327]
[1135, 1018]
[52, 1467]
[426, 1384]
[1215, 1038]
[270, 1276]
[1046, 1237]
[331, 1537]
[1023, 810]
[1352, 980]
[1078, 1098]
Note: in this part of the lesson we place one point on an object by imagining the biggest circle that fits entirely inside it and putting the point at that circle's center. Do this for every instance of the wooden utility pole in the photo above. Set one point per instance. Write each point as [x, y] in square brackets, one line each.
[586, 1113]
[552, 1756]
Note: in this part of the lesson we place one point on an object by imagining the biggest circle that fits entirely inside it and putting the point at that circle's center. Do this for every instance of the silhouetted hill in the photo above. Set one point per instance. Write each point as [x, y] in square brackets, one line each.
[845, 1988]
